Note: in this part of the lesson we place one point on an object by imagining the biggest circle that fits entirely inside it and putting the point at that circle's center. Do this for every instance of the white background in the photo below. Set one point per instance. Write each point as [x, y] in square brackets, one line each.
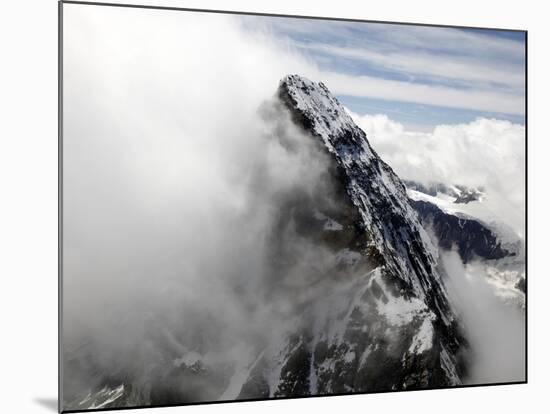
[28, 204]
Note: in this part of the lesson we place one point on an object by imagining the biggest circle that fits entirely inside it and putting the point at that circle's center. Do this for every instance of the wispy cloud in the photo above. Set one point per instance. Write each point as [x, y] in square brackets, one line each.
[404, 91]
[480, 70]
[464, 71]
[483, 43]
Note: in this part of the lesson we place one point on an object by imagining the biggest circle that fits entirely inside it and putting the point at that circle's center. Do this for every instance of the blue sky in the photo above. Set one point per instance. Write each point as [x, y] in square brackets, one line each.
[419, 76]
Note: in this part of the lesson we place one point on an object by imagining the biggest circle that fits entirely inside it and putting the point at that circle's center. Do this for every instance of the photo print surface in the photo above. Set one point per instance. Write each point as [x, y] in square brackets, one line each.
[261, 207]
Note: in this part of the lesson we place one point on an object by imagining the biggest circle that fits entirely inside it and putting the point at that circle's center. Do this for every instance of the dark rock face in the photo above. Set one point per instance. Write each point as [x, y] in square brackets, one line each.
[387, 323]
[522, 285]
[470, 237]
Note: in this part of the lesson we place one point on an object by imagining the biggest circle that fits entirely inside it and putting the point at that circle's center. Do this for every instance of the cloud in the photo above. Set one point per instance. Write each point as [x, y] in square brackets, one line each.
[454, 68]
[486, 153]
[465, 71]
[494, 329]
[480, 43]
[394, 37]
[404, 91]
[173, 183]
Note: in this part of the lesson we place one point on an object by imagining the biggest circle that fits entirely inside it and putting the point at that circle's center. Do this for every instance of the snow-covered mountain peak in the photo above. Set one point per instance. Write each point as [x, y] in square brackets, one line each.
[374, 188]
[393, 239]
[328, 117]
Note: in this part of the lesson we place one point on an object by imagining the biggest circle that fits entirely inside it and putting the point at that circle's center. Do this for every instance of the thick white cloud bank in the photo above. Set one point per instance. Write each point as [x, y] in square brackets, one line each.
[486, 153]
[171, 182]
[495, 330]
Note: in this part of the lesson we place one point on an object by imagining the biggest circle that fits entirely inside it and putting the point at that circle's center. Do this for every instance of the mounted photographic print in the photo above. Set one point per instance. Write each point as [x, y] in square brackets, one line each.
[263, 206]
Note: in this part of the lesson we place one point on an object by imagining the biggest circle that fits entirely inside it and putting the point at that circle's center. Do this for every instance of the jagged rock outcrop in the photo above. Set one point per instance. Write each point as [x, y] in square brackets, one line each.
[470, 237]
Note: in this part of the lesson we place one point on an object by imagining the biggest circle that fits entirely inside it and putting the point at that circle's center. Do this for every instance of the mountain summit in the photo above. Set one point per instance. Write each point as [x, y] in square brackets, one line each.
[389, 324]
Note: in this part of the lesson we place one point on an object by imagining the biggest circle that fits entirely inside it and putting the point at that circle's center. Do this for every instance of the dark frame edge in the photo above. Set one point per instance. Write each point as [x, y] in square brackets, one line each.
[249, 400]
[60, 207]
[294, 16]
[526, 211]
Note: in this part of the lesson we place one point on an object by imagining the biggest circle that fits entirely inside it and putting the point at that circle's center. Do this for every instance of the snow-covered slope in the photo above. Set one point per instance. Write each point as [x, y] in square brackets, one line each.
[457, 194]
